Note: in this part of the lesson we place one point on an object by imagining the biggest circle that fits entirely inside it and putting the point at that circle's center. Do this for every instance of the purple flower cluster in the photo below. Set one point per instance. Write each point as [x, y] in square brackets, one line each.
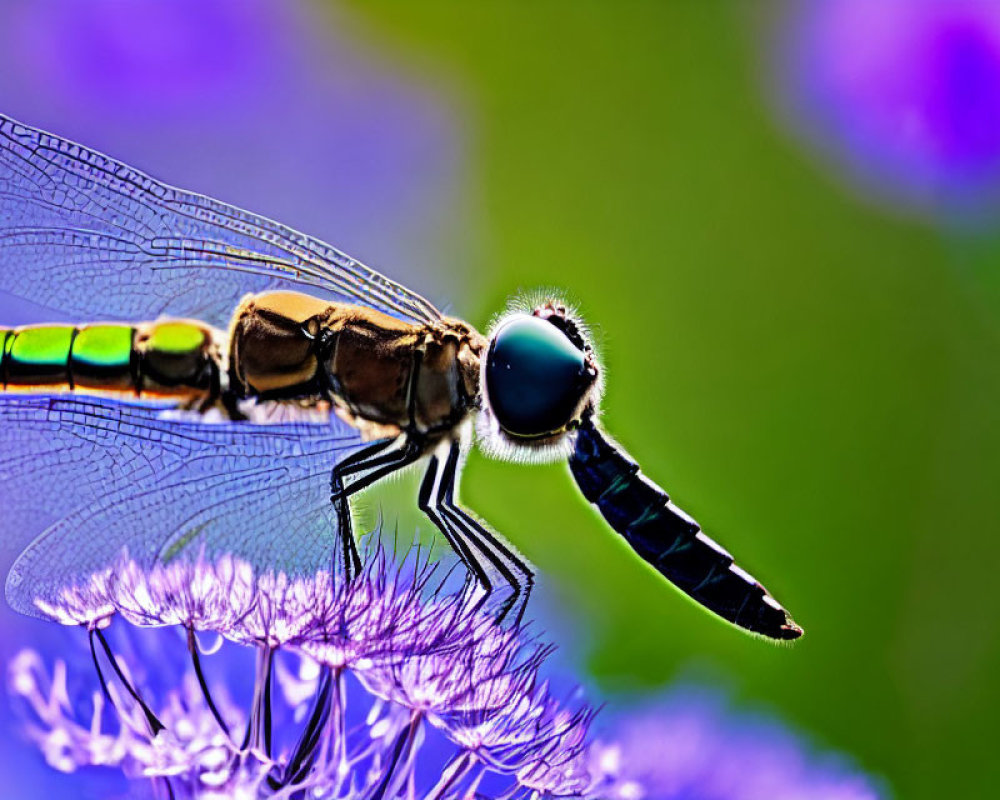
[192, 748]
[451, 702]
[388, 686]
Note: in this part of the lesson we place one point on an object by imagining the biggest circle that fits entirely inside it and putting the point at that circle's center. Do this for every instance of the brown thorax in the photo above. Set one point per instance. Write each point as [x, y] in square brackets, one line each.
[382, 375]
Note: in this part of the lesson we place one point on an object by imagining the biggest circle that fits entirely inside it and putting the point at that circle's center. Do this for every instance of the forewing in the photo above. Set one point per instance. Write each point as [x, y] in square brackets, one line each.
[84, 234]
[124, 477]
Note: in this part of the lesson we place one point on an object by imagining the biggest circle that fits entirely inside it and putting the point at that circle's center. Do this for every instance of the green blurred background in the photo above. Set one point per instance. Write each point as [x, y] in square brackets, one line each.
[811, 376]
[807, 366]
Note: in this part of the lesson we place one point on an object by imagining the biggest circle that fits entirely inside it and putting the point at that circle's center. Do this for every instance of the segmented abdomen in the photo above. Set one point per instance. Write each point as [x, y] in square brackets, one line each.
[669, 539]
[169, 358]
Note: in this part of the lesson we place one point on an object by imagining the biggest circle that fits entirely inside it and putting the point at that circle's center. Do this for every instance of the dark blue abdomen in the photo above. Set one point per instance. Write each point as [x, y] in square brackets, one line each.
[669, 539]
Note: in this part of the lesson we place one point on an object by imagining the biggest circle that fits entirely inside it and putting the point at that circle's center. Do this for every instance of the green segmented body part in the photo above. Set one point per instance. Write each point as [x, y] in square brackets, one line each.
[166, 358]
[102, 358]
[38, 356]
[175, 338]
[6, 340]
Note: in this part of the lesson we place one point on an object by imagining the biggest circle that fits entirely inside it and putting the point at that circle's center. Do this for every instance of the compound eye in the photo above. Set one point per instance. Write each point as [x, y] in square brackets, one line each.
[535, 377]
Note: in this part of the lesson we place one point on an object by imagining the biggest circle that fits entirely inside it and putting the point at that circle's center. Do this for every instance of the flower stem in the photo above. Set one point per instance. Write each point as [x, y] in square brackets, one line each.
[453, 774]
[404, 744]
[258, 731]
[336, 739]
[155, 725]
[196, 660]
[304, 756]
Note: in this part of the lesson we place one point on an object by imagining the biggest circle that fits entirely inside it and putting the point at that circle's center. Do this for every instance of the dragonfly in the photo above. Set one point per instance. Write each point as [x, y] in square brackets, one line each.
[227, 384]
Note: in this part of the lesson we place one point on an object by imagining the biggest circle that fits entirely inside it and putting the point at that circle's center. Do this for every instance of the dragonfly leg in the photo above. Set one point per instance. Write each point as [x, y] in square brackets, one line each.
[370, 465]
[430, 507]
[339, 498]
[478, 540]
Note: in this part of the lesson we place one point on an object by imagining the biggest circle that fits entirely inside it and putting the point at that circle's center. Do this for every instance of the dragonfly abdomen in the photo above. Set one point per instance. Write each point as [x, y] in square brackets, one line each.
[167, 358]
[668, 539]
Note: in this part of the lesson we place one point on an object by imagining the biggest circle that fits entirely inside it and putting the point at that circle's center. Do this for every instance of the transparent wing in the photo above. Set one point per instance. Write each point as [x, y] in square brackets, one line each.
[122, 476]
[86, 235]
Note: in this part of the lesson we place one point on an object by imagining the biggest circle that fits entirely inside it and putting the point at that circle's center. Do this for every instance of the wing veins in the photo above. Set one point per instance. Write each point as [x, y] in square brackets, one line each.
[105, 190]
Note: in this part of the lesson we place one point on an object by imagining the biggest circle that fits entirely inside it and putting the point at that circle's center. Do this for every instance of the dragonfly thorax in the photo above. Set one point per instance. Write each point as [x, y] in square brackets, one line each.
[381, 374]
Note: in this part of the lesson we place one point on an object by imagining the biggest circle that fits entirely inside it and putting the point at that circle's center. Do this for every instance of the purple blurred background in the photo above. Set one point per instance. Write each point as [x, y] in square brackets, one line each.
[277, 108]
[903, 96]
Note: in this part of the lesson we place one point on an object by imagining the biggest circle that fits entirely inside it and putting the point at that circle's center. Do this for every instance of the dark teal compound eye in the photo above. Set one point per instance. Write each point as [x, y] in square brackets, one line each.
[535, 377]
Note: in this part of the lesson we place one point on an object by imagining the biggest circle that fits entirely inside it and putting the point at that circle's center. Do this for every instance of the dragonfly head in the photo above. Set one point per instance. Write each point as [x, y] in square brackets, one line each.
[540, 376]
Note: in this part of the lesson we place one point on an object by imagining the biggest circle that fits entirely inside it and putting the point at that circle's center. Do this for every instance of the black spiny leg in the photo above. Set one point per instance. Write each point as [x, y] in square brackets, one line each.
[370, 464]
[472, 540]
[508, 563]
[373, 462]
[429, 502]
[339, 498]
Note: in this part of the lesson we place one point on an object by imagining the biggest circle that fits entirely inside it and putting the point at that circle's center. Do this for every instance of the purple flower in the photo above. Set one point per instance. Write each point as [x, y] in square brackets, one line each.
[904, 93]
[390, 685]
[688, 746]
[192, 749]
